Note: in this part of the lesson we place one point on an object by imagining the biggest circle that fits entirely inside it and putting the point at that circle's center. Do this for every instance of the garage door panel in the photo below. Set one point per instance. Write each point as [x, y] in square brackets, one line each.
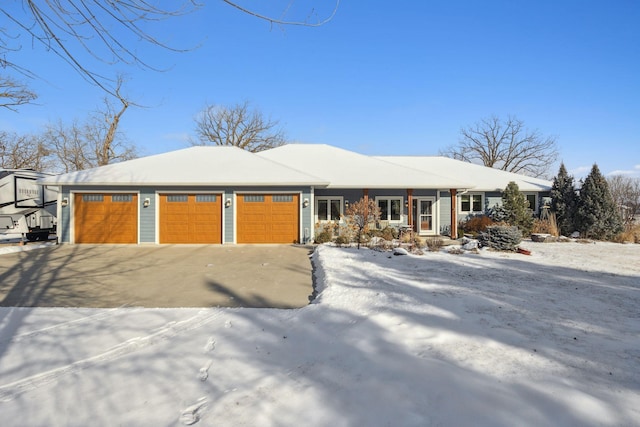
[190, 218]
[105, 218]
[268, 218]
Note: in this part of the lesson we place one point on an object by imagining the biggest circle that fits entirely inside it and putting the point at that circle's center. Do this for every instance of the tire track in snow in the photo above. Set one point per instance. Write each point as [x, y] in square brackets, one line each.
[9, 392]
[106, 314]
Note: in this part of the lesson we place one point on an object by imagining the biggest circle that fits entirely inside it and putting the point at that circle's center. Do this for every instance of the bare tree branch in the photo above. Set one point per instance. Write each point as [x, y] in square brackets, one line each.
[96, 142]
[24, 151]
[71, 28]
[625, 191]
[280, 21]
[239, 126]
[505, 145]
[13, 93]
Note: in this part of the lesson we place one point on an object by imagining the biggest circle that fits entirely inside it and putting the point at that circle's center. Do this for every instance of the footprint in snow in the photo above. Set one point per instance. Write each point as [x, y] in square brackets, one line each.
[204, 371]
[211, 344]
[191, 415]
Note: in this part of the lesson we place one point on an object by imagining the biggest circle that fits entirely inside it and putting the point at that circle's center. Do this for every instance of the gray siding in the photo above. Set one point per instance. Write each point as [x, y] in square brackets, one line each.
[147, 226]
[64, 222]
[445, 212]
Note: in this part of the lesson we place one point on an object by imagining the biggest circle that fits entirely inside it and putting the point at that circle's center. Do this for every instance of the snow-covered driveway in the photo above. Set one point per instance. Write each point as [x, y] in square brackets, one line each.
[486, 340]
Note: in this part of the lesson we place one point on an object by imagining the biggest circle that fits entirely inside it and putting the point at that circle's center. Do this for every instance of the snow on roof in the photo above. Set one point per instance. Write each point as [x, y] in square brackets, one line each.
[483, 178]
[191, 166]
[297, 164]
[347, 169]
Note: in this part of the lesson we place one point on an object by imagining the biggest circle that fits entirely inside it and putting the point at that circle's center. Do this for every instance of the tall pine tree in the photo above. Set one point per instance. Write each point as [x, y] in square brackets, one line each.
[515, 208]
[563, 201]
[597, 216]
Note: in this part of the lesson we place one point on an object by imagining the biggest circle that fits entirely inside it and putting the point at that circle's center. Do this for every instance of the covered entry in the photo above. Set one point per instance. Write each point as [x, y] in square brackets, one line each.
[190, 218]
[106, 218]
[268, 218]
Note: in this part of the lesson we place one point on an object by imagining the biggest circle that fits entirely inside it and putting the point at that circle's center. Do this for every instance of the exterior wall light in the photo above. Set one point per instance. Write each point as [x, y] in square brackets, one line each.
[227, 203]
[305, 203]
[146, 202]
[346, 204]
[64, 202]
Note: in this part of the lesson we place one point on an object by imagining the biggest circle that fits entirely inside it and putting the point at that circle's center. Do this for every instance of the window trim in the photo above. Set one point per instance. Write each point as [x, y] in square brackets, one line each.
[328, 200]
[389, 199]
[471, 211]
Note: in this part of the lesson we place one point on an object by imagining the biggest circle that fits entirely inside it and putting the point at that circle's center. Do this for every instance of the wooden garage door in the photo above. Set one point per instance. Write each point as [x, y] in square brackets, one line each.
[106, 218]
[190, 218]
[268, 218]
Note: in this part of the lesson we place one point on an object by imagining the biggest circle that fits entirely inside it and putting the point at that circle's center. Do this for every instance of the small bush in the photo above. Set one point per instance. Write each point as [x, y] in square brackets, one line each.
[434, 244]
[630, 235]
[476, 224]
[501, 238]
[387, 233]
[325, 232]
[342, 240]
[323, 237]
[546, 225]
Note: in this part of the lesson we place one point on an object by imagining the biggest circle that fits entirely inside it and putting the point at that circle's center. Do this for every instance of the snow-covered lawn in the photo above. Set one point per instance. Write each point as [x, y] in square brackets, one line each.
[491, 339]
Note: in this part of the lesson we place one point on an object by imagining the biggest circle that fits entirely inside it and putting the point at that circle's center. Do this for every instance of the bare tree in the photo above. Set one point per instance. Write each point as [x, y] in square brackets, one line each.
[14, 93]
[96, 142]
[506, 145]
[238, 125]
[625, 191]
[24, 151]
[361, 214]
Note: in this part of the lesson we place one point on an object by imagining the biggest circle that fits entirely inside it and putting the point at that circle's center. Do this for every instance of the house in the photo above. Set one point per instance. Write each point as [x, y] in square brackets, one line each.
[228, 195]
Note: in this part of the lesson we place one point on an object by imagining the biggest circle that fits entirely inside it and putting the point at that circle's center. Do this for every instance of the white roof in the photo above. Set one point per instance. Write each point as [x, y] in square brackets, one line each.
[317, 165]
[346, 169]
[201, 165]
[483, 178]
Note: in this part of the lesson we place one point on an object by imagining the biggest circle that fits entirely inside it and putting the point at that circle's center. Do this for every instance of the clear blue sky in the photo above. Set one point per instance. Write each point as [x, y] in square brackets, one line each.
[383, 77]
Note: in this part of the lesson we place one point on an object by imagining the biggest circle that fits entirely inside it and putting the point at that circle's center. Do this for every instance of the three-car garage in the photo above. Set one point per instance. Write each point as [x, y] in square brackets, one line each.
[189, 217]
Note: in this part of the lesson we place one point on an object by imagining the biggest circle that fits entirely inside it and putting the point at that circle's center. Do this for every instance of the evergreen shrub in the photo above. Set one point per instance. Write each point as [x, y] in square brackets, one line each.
[501, 237]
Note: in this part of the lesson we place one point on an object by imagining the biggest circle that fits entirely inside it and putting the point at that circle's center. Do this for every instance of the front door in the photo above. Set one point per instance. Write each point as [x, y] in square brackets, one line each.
[424, 218]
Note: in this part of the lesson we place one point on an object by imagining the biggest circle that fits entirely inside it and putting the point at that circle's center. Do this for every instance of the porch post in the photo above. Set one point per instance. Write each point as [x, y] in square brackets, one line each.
[410, 209]
[454, 216]
[365, 197]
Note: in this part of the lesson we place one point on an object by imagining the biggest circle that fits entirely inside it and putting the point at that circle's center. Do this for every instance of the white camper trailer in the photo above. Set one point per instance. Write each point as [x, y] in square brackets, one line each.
[27, 209]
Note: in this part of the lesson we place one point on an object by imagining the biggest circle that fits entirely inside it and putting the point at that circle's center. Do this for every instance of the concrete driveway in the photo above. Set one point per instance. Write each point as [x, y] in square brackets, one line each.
[276, 276]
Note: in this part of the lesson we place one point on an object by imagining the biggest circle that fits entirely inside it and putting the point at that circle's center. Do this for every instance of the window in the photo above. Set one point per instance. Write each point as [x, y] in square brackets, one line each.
[282, 198]
[177, 198]
[122, 197]
[471, 203]
[531, 198]
[390, 208]
[92, 197]
[329, 208]
[206, 198]
[253, 198]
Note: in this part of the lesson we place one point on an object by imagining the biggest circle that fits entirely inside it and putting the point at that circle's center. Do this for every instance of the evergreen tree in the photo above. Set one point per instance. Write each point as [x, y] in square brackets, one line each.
[515, 209]
[597, 216]
[563, 201]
